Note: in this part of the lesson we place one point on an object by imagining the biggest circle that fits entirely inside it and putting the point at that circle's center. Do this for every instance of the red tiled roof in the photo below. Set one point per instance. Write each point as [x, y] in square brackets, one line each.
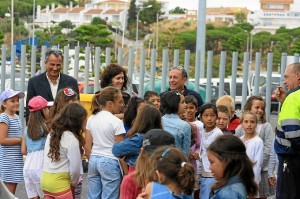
[93, 11]
[112, 11]
[61, 10]
[76, 9]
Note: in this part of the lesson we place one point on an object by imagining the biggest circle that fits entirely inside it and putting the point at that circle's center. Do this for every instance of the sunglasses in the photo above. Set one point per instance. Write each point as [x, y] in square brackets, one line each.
[184, 73]
[69, 92]
[54, 51]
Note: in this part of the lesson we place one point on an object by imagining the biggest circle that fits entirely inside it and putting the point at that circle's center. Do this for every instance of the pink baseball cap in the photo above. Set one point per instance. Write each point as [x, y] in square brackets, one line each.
[9, 94]
[38, 103]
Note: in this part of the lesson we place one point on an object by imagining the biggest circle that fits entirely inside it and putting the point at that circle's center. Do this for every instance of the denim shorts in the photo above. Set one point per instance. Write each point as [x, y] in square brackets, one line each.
[104, 178]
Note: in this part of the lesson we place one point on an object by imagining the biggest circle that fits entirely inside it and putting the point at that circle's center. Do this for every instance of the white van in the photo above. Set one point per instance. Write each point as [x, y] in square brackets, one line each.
[263, 80]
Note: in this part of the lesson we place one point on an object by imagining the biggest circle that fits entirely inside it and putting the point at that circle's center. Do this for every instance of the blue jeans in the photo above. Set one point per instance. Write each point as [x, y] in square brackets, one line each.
[104, 178]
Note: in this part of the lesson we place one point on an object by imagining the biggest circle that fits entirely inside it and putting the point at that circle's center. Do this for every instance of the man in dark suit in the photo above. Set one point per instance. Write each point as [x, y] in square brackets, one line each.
[48, 83]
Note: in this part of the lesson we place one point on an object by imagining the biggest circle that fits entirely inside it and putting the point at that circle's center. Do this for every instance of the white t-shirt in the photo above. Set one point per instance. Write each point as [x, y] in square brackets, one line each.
[104, 126]
[70, 157]
[206, 139]
[254, 150]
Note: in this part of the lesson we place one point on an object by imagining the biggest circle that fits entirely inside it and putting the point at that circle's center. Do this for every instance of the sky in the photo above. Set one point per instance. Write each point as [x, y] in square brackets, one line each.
[193, 4]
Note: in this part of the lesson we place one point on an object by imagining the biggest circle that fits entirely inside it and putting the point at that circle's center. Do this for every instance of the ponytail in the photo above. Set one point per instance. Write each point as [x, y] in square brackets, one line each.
[186, 178]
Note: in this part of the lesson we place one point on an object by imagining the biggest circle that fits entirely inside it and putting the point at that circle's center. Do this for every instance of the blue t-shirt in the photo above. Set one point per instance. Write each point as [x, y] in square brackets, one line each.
[34, 145]
[161, 191]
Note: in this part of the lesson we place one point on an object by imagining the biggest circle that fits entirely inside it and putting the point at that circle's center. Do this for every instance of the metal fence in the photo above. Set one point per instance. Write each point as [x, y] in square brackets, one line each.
[136, 70]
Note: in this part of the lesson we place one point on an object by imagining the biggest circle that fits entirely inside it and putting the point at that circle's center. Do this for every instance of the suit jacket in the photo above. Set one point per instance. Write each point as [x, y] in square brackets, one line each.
[39, 85]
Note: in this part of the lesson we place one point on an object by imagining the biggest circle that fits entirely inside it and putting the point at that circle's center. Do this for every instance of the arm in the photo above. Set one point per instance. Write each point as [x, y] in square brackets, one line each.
[269, 137]
[146, 194]
[4, 140]
[271, 167]
[74, 157]
[88, 143]
[23, 147]
[258, 159]
[186, 140]
[128, 146]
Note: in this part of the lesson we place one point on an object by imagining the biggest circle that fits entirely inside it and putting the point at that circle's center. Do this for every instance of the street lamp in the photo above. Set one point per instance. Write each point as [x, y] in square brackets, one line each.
[137, 34]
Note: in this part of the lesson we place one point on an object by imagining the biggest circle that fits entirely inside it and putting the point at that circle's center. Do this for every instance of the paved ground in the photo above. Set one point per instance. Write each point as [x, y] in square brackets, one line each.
[21, 192]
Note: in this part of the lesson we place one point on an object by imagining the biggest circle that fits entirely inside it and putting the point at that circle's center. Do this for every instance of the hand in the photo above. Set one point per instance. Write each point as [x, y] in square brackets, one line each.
[142, 195]
[280, 94]
[272, 181]
[196, 156]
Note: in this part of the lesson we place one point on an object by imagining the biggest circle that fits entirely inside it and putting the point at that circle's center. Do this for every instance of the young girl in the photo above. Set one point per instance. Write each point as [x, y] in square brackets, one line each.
[256, 105]
[197, 126]
[231, 168]
[33, 145]
[62, 154]
[103, 130]
[173, 105]
[133, 183]
[173, 176]
[254, 145]
[130, 147]
[11, 159]
[208, 115]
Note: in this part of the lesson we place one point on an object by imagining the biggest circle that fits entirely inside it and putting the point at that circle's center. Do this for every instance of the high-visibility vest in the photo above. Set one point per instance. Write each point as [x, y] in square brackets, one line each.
[288, 126]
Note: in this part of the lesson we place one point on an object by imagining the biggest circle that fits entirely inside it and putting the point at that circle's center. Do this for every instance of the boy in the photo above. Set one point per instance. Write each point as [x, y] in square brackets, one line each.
[153, 97]
[223, 118]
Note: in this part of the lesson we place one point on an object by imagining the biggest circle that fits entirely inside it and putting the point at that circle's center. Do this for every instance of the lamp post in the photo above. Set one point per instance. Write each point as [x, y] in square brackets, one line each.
[137, 35]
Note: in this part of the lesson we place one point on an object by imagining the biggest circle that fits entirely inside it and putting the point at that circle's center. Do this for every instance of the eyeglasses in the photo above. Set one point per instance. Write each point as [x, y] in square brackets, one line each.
[54, 51]
[184, 73]
[69, 92]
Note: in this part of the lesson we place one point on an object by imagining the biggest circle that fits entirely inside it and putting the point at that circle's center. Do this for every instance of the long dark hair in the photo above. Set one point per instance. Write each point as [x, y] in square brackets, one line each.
[232, 151]
[110, 72]
[71, 118]
[37, 126]
[148, 118]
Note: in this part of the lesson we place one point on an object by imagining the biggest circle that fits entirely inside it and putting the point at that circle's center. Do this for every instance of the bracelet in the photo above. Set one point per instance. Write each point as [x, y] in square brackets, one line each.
[20, 140]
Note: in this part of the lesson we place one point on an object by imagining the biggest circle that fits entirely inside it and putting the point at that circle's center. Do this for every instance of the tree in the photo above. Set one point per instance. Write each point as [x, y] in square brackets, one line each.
[1, 38]
[150, 15]
[177, 10]
[132, 12]
[240, 17]
[66, 24]
[98, 20]
[214, 38]
[96, 35]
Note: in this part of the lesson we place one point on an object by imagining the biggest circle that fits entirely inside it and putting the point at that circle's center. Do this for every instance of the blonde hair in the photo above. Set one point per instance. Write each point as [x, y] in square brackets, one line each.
[226, 100]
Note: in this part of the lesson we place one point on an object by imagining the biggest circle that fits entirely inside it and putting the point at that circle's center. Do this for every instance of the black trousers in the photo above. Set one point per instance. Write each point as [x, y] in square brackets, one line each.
[288, 179]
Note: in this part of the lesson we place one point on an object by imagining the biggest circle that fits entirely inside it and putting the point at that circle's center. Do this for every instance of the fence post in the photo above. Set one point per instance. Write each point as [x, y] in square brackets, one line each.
[269, 82]
[245, 78]
[176, 57]
[296, 57]
[209, 75]
[120, 56]
[153, 69]
[222, 73]
[257, 75]
[23, 66]
[13, 67]
[86, 69]
[130, 69]
[164, 74]
[43, 67]
[33, 61]
[107, 56]
[187, 54]
[66, 59]
[142, 72]
[234, 74]
[76, 62]
[3, 67]
[96, 69]
[197, 70]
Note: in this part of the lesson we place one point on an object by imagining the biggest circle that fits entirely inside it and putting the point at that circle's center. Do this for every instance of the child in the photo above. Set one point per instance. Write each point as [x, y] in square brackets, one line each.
[133, 183]
[103, 130]
[173, 105]
[227, 100]
[62, 154]
[173, 176]
[254, 145]
[264, 130]
[33, 145]
[11, 159]
[231, 168]
[197, 126]
[208, 115]
[224, 116]
[153, 97]
[130, 148]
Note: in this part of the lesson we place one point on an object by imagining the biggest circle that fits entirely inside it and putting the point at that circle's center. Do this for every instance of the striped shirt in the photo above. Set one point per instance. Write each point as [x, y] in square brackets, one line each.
[11, 159]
